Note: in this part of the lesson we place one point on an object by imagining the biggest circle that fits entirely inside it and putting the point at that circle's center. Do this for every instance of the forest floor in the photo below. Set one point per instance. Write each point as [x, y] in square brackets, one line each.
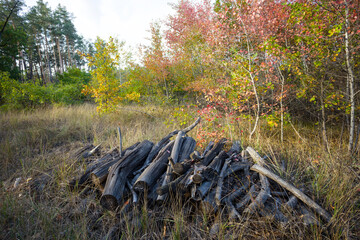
[43, 141]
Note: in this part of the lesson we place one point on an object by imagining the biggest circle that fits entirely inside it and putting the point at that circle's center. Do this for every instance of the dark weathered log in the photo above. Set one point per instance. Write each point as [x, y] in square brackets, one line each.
[182, 167]
[156, 149]
[293, 190]
[85, 177]
[98, 175]
[174, 156]
[220, 183]
[247, 198]
[170, 187]
[156, 168]
[261, 198]
[272, 211]
[291, 203]
[213, 169]
[119, 172]
[235, 148]
[198, 173]
[255, 156]
[308, 217]
[237, 166]
[237, 193]
[134, 195]
[187, 147]
[213, 152]
[207, 149]
[201, 191]
[186, 181]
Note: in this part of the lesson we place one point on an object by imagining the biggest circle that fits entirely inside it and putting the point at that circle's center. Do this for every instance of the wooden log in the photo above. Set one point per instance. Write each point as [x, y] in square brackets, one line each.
[134, 195]
[182, 167]
[235, 167]
[261, 198]
[247, 198]
[119, 172]
[156, 168]
[85, 177]
[255, 156]
[213, 169]
[220, 183]
[198, 173]
[237, 193]
[207, 149]
[98, 175]
[213, 152]
[174, 156]
[170, 187]
[293, 190]
[91, 152]
[187, 147]
[186, 181]
[156, 149]
[235, 148]
[201, 191]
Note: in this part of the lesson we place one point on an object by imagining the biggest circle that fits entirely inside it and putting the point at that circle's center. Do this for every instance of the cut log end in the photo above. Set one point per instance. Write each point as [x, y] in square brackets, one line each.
[109, 202]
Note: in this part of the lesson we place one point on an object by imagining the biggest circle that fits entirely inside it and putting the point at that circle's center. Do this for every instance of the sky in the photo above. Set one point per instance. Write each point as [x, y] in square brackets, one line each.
[128, 20]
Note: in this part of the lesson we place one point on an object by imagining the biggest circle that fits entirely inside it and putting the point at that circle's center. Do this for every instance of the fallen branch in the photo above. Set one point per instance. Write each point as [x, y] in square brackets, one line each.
[293, 190]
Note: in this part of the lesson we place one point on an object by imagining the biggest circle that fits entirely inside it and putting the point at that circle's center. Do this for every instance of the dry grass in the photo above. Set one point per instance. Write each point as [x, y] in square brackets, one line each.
[42, 141]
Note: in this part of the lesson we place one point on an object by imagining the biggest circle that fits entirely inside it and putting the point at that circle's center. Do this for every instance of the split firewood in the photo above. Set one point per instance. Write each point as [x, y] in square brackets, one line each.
[187, 147]
[220, 183]
[156, 149]
[186, 181]
[174, 156]
[293, 190]
[213, 169]
[119, 172]
[182, 167]
[237, 166]
[134, 195]
[207, 149]
[215, 150]
[235, 148]
[170, 187]
[85, 177]
[157, 168]
[199, 192]
[198, 174]
[98, 175]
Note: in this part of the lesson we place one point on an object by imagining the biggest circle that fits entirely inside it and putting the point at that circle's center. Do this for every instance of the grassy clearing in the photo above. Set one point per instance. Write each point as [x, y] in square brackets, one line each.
[42, 141]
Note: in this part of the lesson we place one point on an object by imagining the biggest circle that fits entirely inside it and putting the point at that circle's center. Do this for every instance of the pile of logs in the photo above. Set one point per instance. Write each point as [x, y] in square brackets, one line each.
[240, 180]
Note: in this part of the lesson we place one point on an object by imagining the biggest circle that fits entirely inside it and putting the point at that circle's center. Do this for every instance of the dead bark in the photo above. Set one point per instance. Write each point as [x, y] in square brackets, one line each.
[293, 190]
[201, 191]
[212, 171]
[220, 183]
[261, 198]
[207, 149]
[187, 147]
[119, 172]
[151, 174]
[214, 152]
